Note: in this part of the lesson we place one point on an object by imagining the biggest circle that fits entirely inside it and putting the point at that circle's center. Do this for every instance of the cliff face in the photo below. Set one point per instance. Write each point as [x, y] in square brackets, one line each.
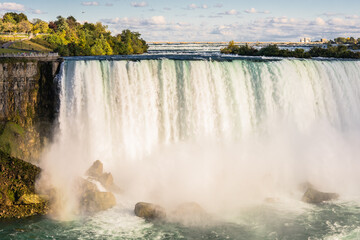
[28, 99]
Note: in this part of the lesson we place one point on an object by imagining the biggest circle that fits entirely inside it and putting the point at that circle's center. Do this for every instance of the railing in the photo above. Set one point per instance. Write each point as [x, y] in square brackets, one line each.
[30, 55]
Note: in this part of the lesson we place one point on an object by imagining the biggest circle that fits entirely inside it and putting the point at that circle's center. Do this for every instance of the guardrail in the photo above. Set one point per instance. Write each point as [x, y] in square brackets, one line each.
[30, 55]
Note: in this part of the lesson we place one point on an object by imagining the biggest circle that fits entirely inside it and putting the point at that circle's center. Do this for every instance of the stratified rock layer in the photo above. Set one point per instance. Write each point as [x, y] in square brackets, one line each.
[28, 102]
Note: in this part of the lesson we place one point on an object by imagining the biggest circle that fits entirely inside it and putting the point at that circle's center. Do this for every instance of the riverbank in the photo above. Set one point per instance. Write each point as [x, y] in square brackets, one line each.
[340, 51]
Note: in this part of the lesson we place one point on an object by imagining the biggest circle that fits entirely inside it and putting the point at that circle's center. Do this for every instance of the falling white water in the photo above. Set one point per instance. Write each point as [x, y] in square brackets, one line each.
[209, 131]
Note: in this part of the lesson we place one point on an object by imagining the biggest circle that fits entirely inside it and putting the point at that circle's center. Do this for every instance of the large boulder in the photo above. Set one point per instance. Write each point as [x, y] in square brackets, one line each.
[312, 195]
[149, 211]
[92, 200]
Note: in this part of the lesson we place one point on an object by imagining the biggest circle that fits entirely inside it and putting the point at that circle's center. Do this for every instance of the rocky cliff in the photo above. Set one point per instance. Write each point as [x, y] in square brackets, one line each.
[28, 100]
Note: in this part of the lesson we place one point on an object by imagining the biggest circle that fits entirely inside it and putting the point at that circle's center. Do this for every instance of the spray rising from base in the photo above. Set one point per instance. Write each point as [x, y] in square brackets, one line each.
[223, 134]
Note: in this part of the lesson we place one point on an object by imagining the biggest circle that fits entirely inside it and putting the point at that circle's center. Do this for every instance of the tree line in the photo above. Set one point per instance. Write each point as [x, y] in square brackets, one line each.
[68, 37]
[340, 51]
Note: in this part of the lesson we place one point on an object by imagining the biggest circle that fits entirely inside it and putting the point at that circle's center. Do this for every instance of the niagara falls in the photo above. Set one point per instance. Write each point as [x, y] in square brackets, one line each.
[193, 120]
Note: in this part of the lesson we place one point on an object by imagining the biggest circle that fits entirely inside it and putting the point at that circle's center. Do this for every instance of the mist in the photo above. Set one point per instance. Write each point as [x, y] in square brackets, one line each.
[223, 134]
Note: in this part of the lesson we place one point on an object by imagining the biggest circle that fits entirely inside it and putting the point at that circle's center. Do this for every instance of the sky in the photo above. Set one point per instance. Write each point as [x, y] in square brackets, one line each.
[206, 20]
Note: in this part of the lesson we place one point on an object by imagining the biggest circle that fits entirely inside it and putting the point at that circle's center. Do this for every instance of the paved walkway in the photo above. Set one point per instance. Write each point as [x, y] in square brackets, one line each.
[8, 44]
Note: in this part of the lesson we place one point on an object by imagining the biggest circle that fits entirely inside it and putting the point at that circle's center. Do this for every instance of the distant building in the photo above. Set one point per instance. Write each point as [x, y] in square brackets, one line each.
[305, 40]
[323, 40]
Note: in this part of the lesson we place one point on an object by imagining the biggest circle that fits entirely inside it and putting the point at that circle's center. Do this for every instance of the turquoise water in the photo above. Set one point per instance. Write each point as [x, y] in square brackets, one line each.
[325, 221]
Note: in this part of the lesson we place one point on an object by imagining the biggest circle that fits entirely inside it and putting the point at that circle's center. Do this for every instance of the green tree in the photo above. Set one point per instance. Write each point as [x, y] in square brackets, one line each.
[41, 27]
[24, 26]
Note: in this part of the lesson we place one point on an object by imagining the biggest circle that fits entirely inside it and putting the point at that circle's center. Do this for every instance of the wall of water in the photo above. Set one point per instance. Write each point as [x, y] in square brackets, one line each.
[196, 128]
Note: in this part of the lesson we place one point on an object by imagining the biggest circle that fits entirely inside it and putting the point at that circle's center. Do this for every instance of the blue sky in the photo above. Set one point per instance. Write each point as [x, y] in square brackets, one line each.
[207, 20]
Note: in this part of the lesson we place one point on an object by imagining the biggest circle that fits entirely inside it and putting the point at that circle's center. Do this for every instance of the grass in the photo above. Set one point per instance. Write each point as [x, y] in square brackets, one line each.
[28, 45]
[9, 50]
[11, 38]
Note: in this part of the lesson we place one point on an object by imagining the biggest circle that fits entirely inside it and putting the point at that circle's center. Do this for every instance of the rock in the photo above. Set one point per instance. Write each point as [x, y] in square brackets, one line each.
[314, 196]
[31, 199]
[17, 189]
[92, 200]
[106, 179]
[190, 213]
[96, 170]
[149, 211]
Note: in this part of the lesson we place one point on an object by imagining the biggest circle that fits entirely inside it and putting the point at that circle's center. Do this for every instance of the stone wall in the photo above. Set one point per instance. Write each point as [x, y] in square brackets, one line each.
[28, 105]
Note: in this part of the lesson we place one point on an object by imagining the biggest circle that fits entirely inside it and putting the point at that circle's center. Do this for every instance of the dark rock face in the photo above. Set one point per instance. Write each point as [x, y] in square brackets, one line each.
[17, 189]
[314, 196]
[149, 211]
[29, 99]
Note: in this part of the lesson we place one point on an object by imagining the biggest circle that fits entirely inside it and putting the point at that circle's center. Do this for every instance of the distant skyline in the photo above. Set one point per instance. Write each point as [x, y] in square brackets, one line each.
[207, 20]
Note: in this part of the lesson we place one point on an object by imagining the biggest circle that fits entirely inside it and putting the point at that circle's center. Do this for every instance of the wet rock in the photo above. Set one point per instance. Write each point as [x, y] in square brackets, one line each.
[314, 196]
[17, 189]
[92, 200]
[31, 199]
[107, 180]
[149, 211]
[96, 170]
[96, 173]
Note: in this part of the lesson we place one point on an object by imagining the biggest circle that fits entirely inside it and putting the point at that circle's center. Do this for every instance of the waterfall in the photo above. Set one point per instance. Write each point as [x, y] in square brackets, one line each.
[224, 126]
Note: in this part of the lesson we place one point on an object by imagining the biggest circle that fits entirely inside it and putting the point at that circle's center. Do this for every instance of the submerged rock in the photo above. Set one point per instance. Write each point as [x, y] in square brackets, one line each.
[312, 195]
[149, 211]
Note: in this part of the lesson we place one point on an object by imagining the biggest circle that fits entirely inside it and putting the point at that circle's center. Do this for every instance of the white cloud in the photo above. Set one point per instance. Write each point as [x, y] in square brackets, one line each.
[157, 20]
[218, 5]
[194, 6]
[319, 21]
[139, 4]
[11, 6]
[283, 28]
[337, 21]
[109, 4]
[230, 12]
[251, 10]
[352, 17]
[90, 3]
